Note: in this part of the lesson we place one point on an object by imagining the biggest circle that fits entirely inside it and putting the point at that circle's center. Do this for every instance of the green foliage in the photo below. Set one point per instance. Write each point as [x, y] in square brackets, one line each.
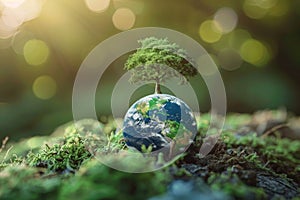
[159, 60]
[64, 157]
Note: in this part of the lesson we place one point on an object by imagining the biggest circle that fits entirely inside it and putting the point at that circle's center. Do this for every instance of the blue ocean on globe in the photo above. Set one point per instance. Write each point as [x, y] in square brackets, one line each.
[158, 119]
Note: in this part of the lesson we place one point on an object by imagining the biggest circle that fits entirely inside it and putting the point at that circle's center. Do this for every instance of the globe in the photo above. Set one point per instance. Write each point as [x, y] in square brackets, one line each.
[159, 120]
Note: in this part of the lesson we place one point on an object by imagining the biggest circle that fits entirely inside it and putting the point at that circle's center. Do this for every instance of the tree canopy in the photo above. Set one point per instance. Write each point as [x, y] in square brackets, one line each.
[159, 60]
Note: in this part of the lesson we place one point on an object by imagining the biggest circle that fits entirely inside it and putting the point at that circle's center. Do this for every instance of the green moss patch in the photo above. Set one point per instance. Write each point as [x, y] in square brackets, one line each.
[242, 165]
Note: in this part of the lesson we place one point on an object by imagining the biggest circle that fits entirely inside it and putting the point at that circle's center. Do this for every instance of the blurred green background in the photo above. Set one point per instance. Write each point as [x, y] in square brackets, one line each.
[255, 44]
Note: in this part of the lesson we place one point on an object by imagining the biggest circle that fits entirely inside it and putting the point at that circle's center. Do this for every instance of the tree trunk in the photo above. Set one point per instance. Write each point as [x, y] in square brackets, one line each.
[157, 88]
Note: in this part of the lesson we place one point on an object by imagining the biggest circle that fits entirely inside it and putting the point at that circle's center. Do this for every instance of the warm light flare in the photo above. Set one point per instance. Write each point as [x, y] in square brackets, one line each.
[30, 9]
[13, 15]
[12, 3]
[11, 18]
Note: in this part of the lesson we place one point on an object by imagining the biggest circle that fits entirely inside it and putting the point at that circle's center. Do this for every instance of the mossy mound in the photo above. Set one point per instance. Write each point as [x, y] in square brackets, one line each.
[244, 164]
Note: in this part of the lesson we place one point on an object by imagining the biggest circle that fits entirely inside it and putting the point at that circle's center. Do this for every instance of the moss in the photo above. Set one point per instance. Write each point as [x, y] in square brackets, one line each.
[66, 156]
[47, 172]
[243, 165]
[24, 182]
[92, 181]
[96, 181]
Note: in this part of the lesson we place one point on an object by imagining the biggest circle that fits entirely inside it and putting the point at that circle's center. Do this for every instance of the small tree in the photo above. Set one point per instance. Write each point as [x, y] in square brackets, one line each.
[159, 60]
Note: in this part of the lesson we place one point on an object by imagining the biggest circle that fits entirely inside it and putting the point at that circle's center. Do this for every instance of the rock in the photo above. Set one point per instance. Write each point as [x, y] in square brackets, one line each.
[277, 187]
[191, 190]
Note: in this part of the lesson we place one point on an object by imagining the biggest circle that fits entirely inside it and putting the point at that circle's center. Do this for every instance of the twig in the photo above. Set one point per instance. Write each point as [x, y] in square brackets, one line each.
[275, 128]
[4, 142]
[265, 165]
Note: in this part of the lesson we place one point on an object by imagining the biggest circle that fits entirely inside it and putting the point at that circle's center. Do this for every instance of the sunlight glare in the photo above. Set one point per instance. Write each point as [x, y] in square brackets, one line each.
[11, 18]
[15, 12]
[12, 3]
[30, 9]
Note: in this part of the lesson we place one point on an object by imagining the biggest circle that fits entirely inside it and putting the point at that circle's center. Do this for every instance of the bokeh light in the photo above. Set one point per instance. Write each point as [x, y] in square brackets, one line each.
[209, 31]
[123, 19]
[254, 52]
[226, 19]
[30, 9]
[20, 39]
[229, 59]
[13, 14]
[279, 9]
[242, 37]
[97, 5]
[44, 87]
[254, 9]
[36, 52]
[257, 9]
